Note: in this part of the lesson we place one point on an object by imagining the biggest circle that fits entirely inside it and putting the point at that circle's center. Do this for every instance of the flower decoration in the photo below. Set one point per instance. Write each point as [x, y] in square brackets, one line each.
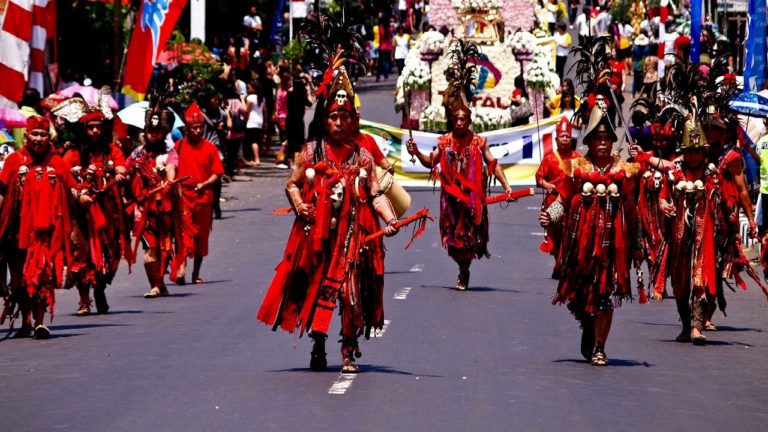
[476, 6]
[523, 42]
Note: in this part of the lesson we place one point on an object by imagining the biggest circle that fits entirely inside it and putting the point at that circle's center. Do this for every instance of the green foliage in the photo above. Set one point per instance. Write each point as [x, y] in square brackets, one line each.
[294, 51]
[196, 66]
[620, 11]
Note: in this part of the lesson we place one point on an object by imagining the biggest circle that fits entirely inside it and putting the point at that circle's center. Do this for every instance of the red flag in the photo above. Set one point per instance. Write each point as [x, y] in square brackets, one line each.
[26, 29]
[154, 24]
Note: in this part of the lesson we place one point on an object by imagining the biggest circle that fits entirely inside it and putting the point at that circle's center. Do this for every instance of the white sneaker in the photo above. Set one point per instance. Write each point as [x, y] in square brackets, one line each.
[281, 166]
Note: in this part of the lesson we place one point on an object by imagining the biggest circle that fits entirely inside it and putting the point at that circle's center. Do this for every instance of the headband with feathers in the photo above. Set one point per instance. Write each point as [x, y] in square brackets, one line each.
[461, 76]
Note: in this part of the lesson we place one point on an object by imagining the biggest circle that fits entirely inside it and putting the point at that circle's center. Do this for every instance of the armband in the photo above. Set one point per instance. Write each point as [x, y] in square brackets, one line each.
[555, 211]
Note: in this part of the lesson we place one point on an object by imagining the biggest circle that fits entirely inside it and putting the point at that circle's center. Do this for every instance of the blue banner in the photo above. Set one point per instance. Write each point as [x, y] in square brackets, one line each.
[696, 10]
[754, 59]
[276, 19]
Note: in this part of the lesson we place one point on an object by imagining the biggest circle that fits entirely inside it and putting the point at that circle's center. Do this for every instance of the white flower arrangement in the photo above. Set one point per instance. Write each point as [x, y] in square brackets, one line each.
[489, 119]
[433, 118]
[523, 42]
[472, 6]
[538, 75]
[417, 76]
[431, 42]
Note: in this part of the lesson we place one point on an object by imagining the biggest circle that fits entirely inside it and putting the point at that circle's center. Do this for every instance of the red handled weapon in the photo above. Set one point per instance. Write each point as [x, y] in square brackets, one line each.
[504, 197]
[421, 216]
[170, 183]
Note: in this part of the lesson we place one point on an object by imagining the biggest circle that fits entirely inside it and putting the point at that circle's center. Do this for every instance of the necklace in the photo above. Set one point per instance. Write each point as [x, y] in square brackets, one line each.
[602, 170]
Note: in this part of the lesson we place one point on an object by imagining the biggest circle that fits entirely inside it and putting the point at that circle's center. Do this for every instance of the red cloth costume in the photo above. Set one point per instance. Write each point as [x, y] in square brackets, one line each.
[689, 255]
[161, 221]
[101, 233]
[463, 215]
[595, 255]
[552, 171]
[35, 222]
[367, 142]
[198, 161]
[328, 260]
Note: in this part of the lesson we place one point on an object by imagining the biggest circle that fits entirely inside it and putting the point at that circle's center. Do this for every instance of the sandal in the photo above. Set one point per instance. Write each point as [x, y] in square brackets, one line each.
[699, 340]
[462, 283]
[84, 309]
[153, 293]
[349, 366]
[710, 327]
[598, 357]
[196, 280]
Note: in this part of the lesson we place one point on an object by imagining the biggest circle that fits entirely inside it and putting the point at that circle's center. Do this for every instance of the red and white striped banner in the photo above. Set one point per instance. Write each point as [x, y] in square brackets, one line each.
[26, 28]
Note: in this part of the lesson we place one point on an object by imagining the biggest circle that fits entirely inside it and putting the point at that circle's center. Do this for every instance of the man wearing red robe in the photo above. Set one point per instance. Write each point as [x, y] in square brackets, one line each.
[34, 226]
[101, 233]
[337, 200]
[161, 222]
[198, 159]
[551, 177]
[596, 249]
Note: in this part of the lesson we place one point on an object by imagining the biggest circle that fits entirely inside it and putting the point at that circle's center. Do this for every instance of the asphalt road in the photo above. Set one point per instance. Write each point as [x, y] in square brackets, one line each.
[498, 357]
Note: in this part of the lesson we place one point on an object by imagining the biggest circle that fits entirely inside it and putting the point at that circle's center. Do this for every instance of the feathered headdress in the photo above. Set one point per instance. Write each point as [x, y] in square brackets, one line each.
[329, 45]
[593, 73]
[461, 76]
[158, 115]
[76, 109]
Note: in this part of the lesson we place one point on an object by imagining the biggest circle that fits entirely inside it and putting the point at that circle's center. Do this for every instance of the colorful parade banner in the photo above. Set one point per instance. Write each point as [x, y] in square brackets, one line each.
[519, 150]
[696, 11]
[154, 24]
[754, 64]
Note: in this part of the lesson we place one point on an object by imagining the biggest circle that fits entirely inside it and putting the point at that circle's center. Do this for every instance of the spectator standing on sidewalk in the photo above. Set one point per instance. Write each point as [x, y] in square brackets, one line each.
[256, 109]
[384, 61]
[252, 26]
[563, 42]
[402, 43]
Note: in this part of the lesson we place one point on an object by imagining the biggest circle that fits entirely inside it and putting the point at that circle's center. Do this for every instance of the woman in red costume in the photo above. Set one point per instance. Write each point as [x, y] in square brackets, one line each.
[596, 250]
[161, 222]
[551, 177]
[336, 198]
[463, 157]
[101, 234]
[34, 226]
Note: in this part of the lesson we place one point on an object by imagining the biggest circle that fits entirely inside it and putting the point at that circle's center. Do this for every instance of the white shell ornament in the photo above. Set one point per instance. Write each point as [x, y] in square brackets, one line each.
[689, 186]
[588, 188]
[613, 189]
[600, 189]
[309, 173]
[699, 185]
[680, 186]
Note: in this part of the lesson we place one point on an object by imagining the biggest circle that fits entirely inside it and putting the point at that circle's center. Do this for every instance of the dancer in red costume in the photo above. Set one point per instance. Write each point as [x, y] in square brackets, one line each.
[551, 177]
[693, 204]
[34, 226]
[198, 159]
[336, 199]
[466, 163]
[161, 222]
[596, 250]
[101, 233]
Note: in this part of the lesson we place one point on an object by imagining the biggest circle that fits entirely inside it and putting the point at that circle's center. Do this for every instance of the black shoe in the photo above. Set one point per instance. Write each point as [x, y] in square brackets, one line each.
[42, 332]
[23, 332]
[555, 274]
[318, 361]
[587, 337]
[100, 299]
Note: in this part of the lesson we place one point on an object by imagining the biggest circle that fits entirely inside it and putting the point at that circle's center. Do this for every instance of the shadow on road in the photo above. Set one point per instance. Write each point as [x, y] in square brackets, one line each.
[473, 288]
[364, 369]
[611, 362]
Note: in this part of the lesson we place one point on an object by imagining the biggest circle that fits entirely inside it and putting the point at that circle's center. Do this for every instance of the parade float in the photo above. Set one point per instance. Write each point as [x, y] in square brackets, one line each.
[508, 49]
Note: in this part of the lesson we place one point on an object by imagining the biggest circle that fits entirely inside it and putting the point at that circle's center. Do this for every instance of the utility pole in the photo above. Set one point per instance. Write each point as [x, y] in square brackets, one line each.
[117, 42]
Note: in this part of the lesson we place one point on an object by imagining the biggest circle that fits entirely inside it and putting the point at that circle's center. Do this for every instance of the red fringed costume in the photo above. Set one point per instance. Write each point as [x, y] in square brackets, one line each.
[552, 170]
[463, 216]
[161, 221]
[689, 256]
[595, 255]
[328, 260]
[35, 224]
[101, 235]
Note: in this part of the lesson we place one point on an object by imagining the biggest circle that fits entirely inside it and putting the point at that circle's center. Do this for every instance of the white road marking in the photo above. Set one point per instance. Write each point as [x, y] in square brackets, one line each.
[384, 328]
[417, 268]
[402, 293]
[533, 208]
[538, 234]
[342, 384]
